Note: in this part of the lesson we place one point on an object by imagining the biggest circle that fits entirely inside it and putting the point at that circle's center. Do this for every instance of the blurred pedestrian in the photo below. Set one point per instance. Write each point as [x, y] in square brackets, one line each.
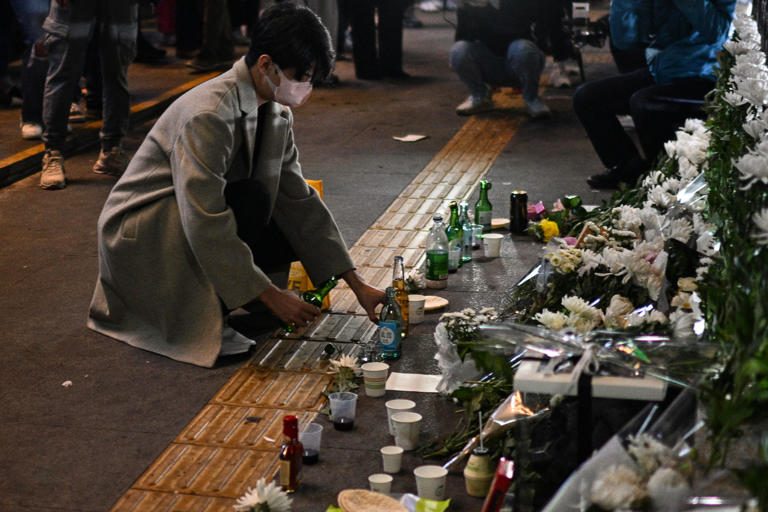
[68, 28]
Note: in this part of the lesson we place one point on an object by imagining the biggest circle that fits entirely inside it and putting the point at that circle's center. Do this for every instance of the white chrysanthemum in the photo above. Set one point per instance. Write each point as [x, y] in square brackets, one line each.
[578, 306]
[754, 90]
[264, 494]
[657, 317]
[660, 198]
[678, 229]
[753, 168]
[755, 128]
[693, 125]
[741, 47]
[652, 179]
[628, 218]
[745, 69]
[582, 317]
[682, 300]
[345, 361]
[617, 488]
[646, 265]
[761, 226]
[687, 170]
[692, 146]
[734, 99]
[617, 311]
[590, 260]
[649, 453]
[551, 320]
[756, 58]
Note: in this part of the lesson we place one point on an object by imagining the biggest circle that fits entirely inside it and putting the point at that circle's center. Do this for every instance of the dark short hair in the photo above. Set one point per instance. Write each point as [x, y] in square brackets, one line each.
[294, 37]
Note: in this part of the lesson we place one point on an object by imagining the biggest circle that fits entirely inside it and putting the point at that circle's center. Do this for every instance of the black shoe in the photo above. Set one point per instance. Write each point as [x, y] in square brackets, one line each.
[399, 75]
[615, 176]
[205, 66]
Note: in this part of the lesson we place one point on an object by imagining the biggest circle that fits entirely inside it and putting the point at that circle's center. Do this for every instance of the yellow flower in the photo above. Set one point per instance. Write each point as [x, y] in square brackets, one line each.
[549, 229]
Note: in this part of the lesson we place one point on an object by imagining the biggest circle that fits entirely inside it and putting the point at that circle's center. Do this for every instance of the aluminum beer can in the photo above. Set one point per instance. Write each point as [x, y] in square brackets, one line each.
[518, 211]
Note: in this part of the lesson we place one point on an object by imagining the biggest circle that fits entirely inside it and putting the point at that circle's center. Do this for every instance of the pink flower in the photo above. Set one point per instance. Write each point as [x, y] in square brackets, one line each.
[570, 240]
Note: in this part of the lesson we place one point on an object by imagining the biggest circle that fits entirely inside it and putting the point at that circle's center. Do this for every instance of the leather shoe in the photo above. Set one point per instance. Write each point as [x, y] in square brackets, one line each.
[609, 179]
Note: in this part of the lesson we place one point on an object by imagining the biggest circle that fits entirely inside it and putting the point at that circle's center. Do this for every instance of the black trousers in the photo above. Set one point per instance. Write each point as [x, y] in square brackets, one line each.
[387, 59]
[271, 250]
[657, 110]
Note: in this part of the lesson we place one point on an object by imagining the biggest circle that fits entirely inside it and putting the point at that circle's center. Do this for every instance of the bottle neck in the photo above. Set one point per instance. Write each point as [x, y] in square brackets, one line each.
[326, 287]
[454, 217]
[398, 270]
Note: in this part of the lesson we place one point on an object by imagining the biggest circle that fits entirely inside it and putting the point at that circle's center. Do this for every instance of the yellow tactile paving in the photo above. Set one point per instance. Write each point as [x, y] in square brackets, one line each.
[148, 501]
[282, 390]
[233, 441]
[208, 471]
[228, 426]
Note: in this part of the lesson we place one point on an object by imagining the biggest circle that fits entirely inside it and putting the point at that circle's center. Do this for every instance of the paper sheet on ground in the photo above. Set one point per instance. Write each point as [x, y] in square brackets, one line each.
[411, 137]
[412, 382]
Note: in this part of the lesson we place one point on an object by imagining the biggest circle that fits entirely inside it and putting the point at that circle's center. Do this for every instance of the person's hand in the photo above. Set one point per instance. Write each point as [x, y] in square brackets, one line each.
[368, 296]
[288, 307]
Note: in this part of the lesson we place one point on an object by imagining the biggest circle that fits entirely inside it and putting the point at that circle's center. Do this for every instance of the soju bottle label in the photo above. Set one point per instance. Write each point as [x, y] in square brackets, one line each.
[437, 265]
[484, 218]
[389, 335]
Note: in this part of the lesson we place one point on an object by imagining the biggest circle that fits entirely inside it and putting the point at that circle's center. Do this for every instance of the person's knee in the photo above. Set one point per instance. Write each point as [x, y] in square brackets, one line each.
[638, 102]
[525, 52]
[584, 98]
[460, 52]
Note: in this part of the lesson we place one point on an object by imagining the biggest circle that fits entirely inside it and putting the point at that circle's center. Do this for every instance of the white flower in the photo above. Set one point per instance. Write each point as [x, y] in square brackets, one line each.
[734, 99]
[590, 260]
[692, 146]
[660, 198]
[755, 128]
[649, 453]
[741, 47]
[754, 90]
[678, 229]
[693, 125]
[551, 320]
[657, 317]
[617, 311]
[628, 218]
[761, 223]
[264, 494]
[345, 361]
[753, 167]
[617, 488]
[682, 322]
[583, 317]
[653, 178]
[681, 300]
[687, 170]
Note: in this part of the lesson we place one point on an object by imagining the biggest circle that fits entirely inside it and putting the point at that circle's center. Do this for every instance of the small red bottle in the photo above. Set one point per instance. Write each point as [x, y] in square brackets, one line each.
[290, 455]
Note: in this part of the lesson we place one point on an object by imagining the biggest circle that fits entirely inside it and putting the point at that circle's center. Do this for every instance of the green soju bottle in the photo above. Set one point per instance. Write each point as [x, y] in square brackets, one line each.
[390, 327]
[437, 255]
[466, 229]
[315, 297]
[455, 238]
[483, 207]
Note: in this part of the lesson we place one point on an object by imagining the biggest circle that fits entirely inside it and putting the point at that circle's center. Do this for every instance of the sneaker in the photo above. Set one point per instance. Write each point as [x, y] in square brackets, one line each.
[473, 105]
[76, 113]
[112, 163]
[537, 109]
[31, 131]
[52, 177]
[558, 77]
[232, 342]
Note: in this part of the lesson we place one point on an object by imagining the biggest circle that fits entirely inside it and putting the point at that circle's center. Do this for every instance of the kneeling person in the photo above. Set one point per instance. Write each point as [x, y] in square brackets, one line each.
[214, 200]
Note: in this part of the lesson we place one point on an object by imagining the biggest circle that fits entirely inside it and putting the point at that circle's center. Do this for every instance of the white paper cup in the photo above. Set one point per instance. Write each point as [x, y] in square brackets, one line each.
[407, 427]
[430, 482]
[416, 309]
[492, 245]
[375, 378]
[380, 482]
[392, 458]
[397, 405]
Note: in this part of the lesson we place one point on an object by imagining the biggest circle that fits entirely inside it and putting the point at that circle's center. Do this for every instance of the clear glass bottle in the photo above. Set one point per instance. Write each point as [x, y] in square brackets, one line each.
[466, 231]
[290, 455]
[455, 238]
[483, 207]
[437, 255]
[398, 283]
[390, 327]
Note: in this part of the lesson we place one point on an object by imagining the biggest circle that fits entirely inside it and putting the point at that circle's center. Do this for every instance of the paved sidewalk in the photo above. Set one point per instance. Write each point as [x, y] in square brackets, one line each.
[82, 447]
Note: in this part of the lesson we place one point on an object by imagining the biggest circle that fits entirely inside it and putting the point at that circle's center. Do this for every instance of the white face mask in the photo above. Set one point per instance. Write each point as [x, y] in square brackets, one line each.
[290, 93]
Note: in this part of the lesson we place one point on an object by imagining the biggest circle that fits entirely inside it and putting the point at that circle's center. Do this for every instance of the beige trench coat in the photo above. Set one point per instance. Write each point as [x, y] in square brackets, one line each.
[169, 253]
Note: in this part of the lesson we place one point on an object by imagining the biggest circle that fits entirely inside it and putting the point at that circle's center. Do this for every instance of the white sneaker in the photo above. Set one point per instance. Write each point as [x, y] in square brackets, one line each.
[430, 6]
[232, 342]
[31, 131]
[558, 77]
[112, 163]
[626, 122]
[52, 177]
[537, 109]
[473, 105]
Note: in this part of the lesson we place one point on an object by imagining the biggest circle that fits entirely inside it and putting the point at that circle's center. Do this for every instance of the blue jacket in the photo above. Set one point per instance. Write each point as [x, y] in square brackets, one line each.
[681, 37]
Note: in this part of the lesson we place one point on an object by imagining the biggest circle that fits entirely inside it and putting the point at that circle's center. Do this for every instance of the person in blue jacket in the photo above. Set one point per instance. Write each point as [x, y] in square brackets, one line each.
[682, 39]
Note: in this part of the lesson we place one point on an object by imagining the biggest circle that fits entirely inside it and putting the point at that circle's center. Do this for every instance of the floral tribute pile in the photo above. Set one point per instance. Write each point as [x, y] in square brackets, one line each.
[682, 256]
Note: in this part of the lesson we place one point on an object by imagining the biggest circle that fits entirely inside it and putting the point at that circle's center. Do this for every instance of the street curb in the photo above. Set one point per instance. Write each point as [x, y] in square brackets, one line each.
[27, 162]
